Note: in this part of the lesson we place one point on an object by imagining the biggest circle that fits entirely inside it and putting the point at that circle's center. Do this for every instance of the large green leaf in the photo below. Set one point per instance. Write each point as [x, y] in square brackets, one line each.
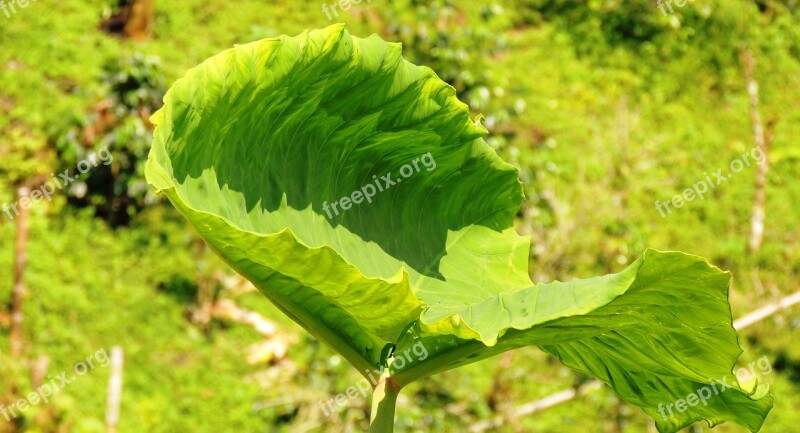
[656, 332]
[256, 144]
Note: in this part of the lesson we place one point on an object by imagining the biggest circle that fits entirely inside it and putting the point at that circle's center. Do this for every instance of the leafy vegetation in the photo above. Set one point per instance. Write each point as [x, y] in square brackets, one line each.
[433, 263]
[603, 107]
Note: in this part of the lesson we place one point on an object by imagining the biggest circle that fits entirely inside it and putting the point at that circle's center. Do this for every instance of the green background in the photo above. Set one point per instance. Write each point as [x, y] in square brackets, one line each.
[604, 106]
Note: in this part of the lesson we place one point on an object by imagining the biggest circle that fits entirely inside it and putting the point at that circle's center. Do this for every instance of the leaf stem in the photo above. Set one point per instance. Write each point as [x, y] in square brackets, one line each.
[384, 401]
[441, 362]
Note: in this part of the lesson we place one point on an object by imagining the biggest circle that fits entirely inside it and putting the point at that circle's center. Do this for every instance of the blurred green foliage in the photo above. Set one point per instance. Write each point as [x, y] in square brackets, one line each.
[134, 87]
[604, 105]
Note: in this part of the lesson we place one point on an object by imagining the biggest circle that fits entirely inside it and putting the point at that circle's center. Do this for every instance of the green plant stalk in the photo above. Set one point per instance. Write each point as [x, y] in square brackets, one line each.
[438, 364]
[384, 401]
